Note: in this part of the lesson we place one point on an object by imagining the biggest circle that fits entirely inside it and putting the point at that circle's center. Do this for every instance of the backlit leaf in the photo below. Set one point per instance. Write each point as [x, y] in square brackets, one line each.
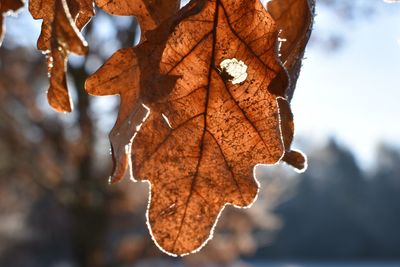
[60, 35]
[294, 18]
[198, 112]
[293, 157]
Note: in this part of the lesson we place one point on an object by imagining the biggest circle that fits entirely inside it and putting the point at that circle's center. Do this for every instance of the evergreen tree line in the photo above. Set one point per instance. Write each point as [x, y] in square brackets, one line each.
[341, 212]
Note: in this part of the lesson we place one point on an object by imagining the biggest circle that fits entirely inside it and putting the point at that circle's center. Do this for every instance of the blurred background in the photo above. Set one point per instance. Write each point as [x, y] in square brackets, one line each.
[57, 209]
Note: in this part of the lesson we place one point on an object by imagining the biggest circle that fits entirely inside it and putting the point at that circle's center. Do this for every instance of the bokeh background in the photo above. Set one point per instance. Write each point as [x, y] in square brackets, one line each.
[57, 210]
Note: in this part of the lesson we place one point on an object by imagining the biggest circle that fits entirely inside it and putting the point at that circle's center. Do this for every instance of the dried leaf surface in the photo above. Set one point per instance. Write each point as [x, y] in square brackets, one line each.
[294, 158]
[8, 7]
[60, 35]
[150, 13]
[192, 131]
[294, 19]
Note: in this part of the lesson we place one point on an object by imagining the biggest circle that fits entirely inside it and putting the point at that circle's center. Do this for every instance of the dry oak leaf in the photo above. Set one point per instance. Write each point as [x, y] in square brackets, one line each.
[292, 157]
[294, 19]
[150, 13]
[60, 35]
[197, 116]
[8, 7]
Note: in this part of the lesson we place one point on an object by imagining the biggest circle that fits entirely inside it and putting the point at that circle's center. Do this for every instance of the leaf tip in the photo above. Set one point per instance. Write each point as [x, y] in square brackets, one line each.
[60, 102]
[120, 165]
[90, 85]
[296, 159]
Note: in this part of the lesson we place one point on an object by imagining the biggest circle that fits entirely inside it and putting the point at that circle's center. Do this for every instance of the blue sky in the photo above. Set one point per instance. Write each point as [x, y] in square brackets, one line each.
[353, 94]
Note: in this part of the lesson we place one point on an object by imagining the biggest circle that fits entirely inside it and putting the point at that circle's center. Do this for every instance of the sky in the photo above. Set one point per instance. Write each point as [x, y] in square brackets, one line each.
[351, 94]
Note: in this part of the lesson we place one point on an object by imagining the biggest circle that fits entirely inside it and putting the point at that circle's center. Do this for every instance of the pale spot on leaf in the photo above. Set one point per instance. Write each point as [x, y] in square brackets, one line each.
[236, 69]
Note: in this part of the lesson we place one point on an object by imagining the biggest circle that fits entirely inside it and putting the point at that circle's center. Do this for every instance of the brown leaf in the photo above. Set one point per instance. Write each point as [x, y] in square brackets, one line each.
[82, 11]
[294, 19]
[122, 74]
[8, 7]
[150, 13]
[62, 22]
[207, 126]
[293, 157]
